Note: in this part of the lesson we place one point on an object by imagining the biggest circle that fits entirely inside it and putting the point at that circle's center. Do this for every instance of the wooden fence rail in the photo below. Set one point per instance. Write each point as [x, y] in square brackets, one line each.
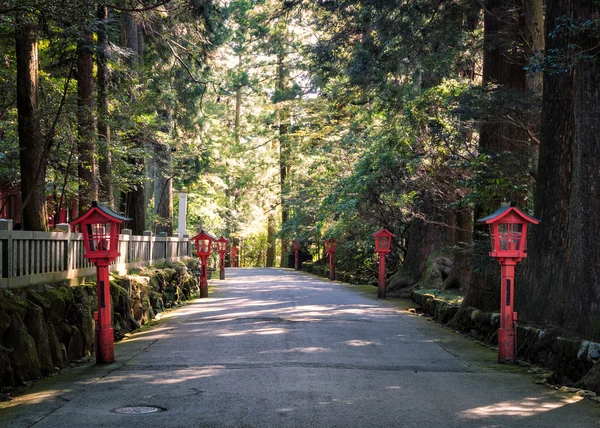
[28, 258]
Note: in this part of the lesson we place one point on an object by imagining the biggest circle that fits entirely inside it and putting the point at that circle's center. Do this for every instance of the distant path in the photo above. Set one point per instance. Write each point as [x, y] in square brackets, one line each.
[278, 348]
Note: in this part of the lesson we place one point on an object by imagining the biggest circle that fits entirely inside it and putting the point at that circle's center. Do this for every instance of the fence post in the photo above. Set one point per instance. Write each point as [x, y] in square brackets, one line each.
[7, 226]
[176, 252]
[166, 241]
[186, 246]
[64, 228]
[150, 255]
[128, 253]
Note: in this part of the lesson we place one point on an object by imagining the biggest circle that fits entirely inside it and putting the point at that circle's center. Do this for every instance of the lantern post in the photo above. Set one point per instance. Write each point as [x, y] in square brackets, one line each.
[383, 240]
[331, 248]
[296, 246]
[508, 234]
[234, 251]
[203, 242]
[222, 248]
[100, 227]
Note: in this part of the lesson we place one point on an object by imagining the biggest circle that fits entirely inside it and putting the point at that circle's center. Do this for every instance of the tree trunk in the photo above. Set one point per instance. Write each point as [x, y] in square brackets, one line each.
[428, 236]
[462, 241]
[238, 103]
[503, 29]
[284, 154]
[163, 183]
[134, 202]
[270, 241]
[134, 206]
[130, 40]
[31, 144]
[534, 24]
[559, 281]
[104, 156]
[88, 182]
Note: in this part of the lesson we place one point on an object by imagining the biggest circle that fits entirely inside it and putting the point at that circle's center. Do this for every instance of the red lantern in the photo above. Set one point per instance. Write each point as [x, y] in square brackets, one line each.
[296, 246]
[331, 248]
[331, 245]
[508, 233]
[222, 248]
[100, 227]
[383, 240]
[203, 242]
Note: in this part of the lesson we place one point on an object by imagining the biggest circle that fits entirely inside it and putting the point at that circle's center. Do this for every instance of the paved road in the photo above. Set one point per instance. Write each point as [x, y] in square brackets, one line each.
[277, 348]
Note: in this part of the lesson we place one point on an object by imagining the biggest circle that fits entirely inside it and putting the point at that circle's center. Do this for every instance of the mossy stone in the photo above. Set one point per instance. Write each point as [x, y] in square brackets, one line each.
[7, 375]
[22, 351]
[36, 328]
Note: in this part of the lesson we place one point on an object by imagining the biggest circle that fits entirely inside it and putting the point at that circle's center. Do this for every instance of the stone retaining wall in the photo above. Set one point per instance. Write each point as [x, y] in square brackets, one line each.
[323, 270]
[43, 328]
[569, 359]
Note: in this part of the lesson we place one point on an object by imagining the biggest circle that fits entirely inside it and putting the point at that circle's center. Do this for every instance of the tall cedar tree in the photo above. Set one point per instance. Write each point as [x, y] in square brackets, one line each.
[88, 181]
[559, 283]
[505, 30]
[31, 143]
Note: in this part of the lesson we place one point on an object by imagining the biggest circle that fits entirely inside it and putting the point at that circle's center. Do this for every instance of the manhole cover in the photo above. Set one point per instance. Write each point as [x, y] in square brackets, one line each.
[142, 410]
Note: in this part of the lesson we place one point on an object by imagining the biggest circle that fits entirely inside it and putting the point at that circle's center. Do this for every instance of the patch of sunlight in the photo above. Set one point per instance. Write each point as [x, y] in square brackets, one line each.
[523, 408]
[37, 397]
[188, 375]
[308, 350]
[393, 387]
[145, 337]
[261, 331]
[114, 378]
[362, 343]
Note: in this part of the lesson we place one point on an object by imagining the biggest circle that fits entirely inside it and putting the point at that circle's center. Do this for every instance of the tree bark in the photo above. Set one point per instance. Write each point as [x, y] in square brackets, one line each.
[88, 182]
[270, 241]
[238, 102]
[104, 156]
[163, 182]
[504, 28]
[429, 235]
[134, 201]
[31, 144]
[559, 281]
[284, 155]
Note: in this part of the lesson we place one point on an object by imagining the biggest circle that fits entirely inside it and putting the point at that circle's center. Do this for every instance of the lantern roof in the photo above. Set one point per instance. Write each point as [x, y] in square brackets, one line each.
[222, 239]
[203, 235]
[506, 210]
[384, 232]
[99, 212]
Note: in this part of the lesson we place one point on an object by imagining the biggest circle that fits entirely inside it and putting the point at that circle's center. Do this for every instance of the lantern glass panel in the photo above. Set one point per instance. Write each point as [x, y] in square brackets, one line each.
[222, 246]
[99, 236]
[204, 245]
[383, 243]
[510, 235]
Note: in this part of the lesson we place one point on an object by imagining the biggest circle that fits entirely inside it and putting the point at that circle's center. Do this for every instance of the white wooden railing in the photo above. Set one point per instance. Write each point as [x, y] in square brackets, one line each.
[28, 258]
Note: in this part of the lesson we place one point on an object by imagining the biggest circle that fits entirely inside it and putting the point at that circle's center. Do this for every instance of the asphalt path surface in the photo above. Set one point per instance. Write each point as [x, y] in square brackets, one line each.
[278, 348]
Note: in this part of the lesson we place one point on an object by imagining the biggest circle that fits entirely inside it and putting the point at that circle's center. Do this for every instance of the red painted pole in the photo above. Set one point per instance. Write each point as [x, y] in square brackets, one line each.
[381, 284]
[506, 332]
[204, 278]
[297, 262]
[222, 268]
[105, 346]
[331, 268]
